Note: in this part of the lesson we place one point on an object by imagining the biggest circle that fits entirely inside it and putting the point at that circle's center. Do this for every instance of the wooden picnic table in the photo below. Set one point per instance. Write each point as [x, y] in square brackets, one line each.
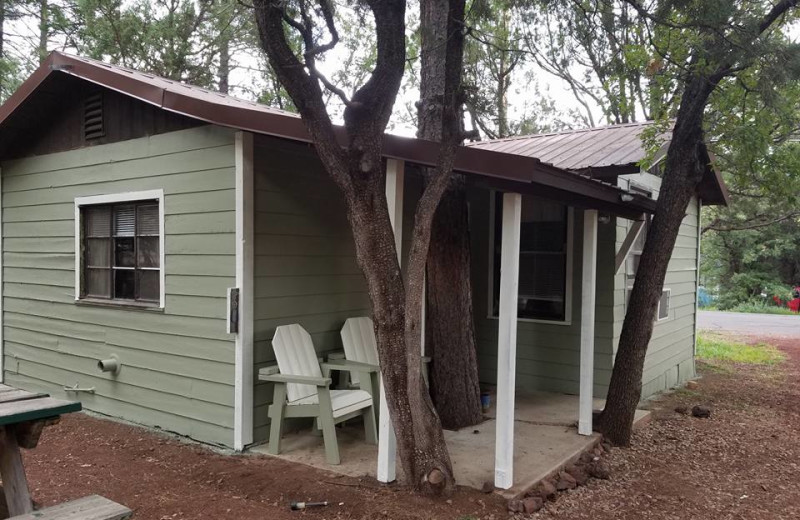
[23, 416]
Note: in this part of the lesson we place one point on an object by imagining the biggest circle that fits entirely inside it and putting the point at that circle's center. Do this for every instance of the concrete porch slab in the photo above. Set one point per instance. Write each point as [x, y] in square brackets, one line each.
[545, 439]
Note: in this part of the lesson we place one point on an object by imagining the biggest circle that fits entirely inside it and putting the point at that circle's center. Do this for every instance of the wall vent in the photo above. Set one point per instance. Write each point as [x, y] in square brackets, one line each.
[93, 117]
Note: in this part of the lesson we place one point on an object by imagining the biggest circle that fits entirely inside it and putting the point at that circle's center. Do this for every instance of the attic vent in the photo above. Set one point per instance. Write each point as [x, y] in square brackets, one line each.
[93, 117]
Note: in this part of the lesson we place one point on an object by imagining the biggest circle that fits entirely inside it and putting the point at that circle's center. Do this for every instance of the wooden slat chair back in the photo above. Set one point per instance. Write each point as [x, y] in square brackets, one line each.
[301, 390]
[295, 354]
[360, 345]
[358, 339]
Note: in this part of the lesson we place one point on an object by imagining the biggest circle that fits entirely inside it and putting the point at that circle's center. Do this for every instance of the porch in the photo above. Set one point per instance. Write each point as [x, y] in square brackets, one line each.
[545, 439]
[540, 260]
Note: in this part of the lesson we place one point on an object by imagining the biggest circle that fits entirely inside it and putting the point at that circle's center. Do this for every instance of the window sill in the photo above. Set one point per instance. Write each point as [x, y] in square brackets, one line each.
[537, 320]
[111, 304]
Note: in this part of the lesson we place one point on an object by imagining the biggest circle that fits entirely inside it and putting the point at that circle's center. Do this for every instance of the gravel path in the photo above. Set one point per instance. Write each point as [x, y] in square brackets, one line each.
[750, 324]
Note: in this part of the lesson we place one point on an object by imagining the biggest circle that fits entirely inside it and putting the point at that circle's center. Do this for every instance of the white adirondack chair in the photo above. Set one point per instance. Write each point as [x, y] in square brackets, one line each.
[302, 391]
[358, 339]
[360, 345]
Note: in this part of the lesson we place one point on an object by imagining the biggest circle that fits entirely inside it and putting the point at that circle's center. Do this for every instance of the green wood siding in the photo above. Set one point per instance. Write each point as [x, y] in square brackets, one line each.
[670, 355]
[305, 267]
[548, 355]
[177, 365]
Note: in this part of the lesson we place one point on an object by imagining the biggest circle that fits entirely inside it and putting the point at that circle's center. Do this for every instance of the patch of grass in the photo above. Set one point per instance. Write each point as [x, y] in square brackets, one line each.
[704, 366]
[685, 392]
[716, 347]
[760, 308]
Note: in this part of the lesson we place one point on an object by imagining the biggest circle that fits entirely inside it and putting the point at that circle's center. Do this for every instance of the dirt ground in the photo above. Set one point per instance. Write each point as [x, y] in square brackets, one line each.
[742, 463]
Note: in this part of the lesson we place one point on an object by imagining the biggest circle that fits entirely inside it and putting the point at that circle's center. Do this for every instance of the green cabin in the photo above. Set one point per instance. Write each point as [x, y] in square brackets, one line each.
[173, 229]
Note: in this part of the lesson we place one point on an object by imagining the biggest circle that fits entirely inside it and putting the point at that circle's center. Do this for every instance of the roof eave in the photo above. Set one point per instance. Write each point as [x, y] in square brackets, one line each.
[487, 163]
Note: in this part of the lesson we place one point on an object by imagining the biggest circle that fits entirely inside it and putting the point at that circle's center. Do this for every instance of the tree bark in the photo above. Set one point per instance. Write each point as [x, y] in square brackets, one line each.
[684, 168]
[450, 332]
[44, 29]
[224, 72]
[356, 166]
[2, 48]
[685, 165]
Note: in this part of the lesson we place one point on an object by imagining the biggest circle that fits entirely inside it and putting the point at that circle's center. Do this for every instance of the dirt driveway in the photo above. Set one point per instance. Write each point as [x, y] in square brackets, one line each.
[742, 463]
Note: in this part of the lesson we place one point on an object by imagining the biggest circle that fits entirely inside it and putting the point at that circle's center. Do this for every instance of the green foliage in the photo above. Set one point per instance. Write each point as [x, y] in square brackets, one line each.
[716, 347]
[749, 287]
[761, 307]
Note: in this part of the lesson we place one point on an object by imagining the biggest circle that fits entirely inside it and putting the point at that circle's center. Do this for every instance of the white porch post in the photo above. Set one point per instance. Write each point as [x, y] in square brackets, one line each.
[243, 372]
[507, 341]
[387, 442]
[588, 289]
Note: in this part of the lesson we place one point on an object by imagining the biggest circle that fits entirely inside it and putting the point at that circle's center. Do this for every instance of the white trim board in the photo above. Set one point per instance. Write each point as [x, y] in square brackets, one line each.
[243, 370]
[387, 442]
[588, 301]
[113, 198]
[507, 341]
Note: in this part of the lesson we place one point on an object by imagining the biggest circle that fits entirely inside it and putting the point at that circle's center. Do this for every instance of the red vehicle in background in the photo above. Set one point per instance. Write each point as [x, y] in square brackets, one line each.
[794, 304]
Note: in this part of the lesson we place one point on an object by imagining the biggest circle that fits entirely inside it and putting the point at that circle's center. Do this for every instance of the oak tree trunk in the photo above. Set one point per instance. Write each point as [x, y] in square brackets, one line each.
[685, 165]
[716, 59]
[450, 332]
[224, 72]
[2, 48]
[355, 165]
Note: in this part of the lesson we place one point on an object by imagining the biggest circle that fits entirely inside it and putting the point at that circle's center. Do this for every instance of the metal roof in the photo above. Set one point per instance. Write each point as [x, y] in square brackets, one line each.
[511, 171]
[604, 151]
[576, 150]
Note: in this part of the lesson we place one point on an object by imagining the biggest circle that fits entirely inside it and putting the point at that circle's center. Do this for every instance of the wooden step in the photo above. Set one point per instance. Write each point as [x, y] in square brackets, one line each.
[93, 507]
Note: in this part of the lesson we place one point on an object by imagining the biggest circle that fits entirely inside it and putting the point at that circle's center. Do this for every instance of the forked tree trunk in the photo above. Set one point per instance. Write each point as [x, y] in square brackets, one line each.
[450, 332]
[685, 165]
[356, 168]
[420, 440]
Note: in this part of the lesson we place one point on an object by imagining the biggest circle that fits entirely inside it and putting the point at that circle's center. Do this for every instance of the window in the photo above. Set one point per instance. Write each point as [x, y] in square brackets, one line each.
[663, 305]
[544, 259]
[635, 254]
[120, 248]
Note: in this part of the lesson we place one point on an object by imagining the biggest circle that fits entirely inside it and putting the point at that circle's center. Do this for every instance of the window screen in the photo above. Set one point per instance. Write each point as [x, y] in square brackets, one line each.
[121, 256]
[542, 259]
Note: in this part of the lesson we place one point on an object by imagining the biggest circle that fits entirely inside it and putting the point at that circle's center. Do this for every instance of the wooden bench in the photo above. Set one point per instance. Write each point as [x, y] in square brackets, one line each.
[93, 507]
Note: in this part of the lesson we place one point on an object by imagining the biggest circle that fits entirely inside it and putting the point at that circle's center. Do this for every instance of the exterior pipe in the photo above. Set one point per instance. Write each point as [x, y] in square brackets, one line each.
[110, 365]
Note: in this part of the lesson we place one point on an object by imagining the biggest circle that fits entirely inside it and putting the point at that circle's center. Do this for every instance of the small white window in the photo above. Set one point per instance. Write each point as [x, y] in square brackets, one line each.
[119, 244]
[663, 305]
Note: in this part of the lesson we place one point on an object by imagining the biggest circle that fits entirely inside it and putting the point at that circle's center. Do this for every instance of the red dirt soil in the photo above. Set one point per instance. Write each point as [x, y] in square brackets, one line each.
[742, 463]
[163, 478]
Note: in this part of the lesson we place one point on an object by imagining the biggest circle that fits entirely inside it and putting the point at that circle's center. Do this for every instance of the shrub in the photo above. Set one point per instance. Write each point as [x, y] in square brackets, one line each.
[752, 288]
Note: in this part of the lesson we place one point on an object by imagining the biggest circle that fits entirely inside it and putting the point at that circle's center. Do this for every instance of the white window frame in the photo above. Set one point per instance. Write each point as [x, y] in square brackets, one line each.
[568, 269]
[114, 198]
[669, 305]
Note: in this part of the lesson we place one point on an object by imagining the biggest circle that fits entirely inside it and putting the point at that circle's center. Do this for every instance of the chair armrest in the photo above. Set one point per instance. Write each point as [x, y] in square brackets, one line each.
[289, 378]
[351, 366]
[426, 359]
